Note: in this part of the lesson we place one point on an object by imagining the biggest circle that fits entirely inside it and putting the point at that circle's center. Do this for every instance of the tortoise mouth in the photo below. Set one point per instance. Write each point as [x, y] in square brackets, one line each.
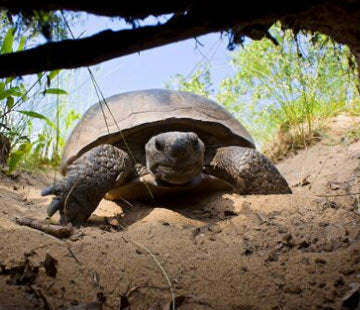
[169, 175]
[192, 183]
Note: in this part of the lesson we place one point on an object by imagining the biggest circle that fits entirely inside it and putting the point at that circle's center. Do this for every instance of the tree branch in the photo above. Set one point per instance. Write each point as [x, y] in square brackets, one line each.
[134, 9]
[108, 44]
[200, 19]
[97, 48]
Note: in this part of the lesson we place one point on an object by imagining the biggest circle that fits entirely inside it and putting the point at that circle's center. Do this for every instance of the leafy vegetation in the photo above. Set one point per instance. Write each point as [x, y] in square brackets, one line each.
[50, 25]
[289, 88]
[28, 137]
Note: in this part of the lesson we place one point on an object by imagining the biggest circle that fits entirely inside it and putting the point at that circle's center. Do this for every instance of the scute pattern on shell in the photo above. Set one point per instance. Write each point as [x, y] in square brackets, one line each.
[144, 111]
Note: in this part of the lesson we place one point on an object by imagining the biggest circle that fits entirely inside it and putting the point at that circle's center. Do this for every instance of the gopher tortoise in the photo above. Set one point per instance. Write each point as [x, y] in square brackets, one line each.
[153, 143]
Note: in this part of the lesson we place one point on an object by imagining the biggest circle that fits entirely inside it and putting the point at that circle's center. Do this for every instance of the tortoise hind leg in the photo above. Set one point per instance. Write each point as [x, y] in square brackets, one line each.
[87, 180]
[248, 171]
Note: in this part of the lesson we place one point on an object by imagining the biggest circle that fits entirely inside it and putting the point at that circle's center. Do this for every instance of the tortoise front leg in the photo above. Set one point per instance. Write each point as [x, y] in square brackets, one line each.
[248, 171]
[86, 182]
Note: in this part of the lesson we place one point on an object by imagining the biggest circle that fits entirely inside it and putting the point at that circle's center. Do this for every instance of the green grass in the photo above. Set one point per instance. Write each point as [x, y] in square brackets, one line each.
[289, 89]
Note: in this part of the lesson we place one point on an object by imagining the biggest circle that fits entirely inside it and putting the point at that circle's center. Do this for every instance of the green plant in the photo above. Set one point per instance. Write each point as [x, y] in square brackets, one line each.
[18, 113]
[29, 133]
[50, 139]
[12, 93]
[303, 80]
[199, 83]
[290, 87]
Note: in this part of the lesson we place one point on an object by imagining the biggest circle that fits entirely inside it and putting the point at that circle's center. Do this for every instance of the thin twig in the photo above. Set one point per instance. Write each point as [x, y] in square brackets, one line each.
[57, 130]
[38, 293]
[126, 202]
[51, 229]
[159, 265]
[73, 256]
[69, 193]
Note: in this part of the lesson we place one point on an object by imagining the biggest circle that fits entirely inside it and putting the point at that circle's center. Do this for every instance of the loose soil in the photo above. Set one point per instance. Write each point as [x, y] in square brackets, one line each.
[223, 251]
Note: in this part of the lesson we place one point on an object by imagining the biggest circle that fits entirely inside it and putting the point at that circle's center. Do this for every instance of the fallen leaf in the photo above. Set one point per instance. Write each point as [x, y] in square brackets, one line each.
[351, 301]
[124, 303]
[50, 266]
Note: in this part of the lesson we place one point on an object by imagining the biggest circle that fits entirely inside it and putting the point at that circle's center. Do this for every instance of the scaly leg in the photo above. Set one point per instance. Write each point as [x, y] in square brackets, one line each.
[86, 181]
[248, 171]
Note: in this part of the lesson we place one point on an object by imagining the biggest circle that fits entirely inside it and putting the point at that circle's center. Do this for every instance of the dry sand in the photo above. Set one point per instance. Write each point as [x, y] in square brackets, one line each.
[224, 251]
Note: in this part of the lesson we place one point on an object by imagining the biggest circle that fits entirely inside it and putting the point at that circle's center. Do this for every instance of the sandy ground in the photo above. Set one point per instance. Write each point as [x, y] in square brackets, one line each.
[224, 251]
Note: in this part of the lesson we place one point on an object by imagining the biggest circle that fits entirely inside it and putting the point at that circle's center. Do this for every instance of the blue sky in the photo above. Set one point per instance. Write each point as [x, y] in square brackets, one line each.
[148, 69]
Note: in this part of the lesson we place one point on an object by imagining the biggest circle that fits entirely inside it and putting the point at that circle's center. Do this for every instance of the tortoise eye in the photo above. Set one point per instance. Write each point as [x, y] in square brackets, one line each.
[158, 145]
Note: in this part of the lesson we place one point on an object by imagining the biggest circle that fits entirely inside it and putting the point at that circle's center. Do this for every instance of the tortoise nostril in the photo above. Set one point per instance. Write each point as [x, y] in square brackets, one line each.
[194, 140]
[159, 145]
[195, 143]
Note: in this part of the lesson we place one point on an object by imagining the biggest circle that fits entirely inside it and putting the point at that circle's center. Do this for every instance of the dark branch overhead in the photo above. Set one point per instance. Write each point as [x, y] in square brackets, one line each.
[339, 19]
[135, 9]
[92, 50]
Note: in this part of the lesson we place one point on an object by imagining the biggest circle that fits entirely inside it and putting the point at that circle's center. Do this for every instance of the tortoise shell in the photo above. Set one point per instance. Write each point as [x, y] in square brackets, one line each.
[130, 119]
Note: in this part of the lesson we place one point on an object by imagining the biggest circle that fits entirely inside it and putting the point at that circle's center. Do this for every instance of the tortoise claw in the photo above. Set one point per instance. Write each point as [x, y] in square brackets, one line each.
[78, 194]
[54, 206]
[48, 191]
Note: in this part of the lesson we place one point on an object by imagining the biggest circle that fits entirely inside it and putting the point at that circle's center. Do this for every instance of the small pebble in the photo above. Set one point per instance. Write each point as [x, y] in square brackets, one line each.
[215, 229]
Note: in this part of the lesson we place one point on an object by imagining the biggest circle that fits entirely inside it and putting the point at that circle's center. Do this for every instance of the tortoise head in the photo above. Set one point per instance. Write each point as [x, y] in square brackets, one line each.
[174, 157]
